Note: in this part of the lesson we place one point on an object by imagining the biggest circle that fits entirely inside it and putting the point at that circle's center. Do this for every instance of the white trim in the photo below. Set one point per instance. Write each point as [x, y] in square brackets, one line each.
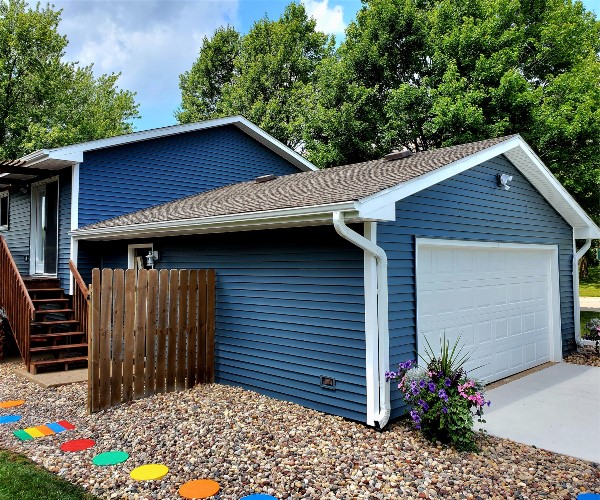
[74, 246]
[33, 225]
[523, 158]
[553, 276]
[74, 153]
[266, 219]
[577, 255]
[131, 252]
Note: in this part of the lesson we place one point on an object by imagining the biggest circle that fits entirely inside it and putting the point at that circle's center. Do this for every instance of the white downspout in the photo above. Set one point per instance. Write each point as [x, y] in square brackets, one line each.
[381, 415]
[576, 257]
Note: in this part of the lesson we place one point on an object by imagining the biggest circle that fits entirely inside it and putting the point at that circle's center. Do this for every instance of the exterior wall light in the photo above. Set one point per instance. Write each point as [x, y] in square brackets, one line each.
[503, 180]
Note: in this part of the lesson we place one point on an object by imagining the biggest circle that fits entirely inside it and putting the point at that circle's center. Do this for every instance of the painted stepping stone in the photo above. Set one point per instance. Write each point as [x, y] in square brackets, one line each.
[259, 496]
[588, 496]
[149, 472]
[77, 445]
[45, 430]
[110, 458]
[22, 435]
[12, 403]
[199, 488]
[56, 427]
[9, 419]
[66, 425]
[33, 432]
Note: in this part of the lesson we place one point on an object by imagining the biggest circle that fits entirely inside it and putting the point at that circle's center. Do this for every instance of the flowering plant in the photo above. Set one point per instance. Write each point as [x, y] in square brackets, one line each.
[444, 399]
[594, 328]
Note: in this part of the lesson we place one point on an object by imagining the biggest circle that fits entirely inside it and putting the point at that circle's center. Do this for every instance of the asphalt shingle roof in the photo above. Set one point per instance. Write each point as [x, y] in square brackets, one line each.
[334, 185]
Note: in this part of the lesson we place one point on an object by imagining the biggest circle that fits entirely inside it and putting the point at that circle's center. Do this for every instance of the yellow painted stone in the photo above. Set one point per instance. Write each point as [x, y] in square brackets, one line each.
[149, 472]
[33, 432]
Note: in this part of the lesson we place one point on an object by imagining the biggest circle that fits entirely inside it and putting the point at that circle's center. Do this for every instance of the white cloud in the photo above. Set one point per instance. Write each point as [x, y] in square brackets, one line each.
[150, 42]
[329, 20]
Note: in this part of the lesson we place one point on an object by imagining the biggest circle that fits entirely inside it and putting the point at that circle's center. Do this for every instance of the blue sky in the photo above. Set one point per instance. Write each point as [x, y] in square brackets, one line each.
[151, 42]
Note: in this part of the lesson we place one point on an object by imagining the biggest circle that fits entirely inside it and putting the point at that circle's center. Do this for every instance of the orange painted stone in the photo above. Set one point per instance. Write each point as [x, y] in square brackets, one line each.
[199, 488]
[12, 403]
[45, 430]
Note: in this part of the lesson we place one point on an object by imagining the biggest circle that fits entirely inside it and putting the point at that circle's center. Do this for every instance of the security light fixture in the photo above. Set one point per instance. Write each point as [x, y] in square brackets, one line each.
[503, 180]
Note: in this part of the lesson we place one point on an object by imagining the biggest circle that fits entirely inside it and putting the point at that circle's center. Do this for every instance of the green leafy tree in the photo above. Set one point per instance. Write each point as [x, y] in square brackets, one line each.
[44, 101]
[202, 86]
[270, 79]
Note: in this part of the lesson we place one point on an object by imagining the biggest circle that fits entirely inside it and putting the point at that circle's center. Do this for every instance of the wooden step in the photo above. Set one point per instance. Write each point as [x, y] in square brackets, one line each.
[45, 290]
[40, 282]
[49, 301]
[47, 336]
[54, 323]
[60, 347]
[34, 365]
[53, 311]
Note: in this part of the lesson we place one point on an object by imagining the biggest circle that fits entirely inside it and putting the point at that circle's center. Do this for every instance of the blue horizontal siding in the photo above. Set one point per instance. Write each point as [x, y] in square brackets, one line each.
[289, 308]
[468, 206]
[18, 233]
[123, 179]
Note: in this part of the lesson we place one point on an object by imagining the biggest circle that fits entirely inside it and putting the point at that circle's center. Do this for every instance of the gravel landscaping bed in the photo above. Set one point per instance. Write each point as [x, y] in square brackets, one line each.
[251, 443]
[584, 356]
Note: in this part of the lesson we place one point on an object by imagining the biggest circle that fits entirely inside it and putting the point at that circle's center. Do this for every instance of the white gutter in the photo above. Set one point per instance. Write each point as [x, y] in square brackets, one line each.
[576, 258]
[318, 214]
[379, 357]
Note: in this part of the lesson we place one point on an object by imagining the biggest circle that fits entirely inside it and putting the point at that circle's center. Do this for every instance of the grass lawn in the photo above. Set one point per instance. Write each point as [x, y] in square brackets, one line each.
[585, 317]
[590, 287]
[21, 479]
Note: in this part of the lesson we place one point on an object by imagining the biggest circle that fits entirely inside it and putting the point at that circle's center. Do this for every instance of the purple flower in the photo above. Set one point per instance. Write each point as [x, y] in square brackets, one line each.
[442, 394]
[444, 409]
[415, 416]
[390, 375]
[432, 387]
[447, 382]
[422, 384]
[423, 405]
[489, 403]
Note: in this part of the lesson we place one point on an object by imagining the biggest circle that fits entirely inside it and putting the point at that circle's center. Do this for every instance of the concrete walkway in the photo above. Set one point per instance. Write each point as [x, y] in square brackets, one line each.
[589, 303]
[557, 409]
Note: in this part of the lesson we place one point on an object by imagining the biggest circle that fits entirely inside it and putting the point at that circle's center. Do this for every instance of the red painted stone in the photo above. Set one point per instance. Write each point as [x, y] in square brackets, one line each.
[77, 445]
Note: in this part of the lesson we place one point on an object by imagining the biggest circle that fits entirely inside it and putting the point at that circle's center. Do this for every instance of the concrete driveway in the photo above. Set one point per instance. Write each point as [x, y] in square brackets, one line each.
[557, 409]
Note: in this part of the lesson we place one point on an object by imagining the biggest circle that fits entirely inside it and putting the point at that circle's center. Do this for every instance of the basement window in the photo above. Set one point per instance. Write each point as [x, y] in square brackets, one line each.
[4, 211]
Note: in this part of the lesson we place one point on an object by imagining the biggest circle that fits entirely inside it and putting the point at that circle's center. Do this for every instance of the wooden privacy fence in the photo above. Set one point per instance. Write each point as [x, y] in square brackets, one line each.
[150, 332]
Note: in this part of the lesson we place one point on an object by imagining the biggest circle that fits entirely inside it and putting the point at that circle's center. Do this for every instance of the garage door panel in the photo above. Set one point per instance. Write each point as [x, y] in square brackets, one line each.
[496, 299]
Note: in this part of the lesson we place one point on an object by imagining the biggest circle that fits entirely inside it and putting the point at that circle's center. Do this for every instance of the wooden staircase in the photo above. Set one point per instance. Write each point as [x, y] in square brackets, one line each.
[57, 341]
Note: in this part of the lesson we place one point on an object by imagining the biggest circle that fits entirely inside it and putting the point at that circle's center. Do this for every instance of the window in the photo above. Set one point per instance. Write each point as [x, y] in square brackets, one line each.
[4, 210]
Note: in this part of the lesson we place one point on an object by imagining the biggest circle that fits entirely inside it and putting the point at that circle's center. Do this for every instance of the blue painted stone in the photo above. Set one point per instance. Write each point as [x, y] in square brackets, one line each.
[588, 496]
[259, 496]
[56, 427]
[9, 419]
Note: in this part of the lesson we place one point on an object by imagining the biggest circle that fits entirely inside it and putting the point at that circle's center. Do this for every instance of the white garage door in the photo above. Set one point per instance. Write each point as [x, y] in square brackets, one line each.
[499, 298]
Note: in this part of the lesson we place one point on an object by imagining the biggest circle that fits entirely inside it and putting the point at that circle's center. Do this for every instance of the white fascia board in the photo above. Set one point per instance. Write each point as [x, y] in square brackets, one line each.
[224, 223]
[75, 152]
[532, 168]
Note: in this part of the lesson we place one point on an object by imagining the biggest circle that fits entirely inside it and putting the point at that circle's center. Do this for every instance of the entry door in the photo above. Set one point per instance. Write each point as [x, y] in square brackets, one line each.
[44, 226]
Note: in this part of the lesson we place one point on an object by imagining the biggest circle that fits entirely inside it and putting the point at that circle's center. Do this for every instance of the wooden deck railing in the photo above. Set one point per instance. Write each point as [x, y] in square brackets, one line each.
[15, 300]
[81, 300]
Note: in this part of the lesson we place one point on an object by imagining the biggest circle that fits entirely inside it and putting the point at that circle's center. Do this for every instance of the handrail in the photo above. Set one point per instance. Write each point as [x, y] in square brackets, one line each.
[16, 271]
[80, 300]
[78, 279]
[15, 300]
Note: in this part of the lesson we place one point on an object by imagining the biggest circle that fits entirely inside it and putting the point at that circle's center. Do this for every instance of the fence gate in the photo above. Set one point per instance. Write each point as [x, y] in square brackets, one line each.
[150, 331]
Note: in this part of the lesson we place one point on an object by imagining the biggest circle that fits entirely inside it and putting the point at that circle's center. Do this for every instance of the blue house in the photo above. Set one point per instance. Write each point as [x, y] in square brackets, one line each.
[325, 278]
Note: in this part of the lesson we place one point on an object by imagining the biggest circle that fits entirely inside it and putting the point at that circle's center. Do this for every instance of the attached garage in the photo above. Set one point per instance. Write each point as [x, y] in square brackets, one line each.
[502, 300]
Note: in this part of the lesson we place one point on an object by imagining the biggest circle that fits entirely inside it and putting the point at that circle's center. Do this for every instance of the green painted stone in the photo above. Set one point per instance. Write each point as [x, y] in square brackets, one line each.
[110, 458]
[22, 435]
